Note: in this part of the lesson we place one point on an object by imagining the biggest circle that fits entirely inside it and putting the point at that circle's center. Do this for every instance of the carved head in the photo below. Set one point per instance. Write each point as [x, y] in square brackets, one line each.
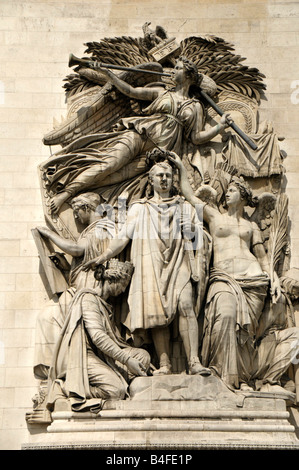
[84, 204]
[115, 277]
[189, 69]
[161, 179]
[244, 190]
[162, 175]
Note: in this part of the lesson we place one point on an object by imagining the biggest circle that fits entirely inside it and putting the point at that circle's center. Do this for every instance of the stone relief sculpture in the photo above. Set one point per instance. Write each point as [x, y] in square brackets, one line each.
[161, 285]
[91, 362]
[167, 201]
[235, 301]
[98, 160]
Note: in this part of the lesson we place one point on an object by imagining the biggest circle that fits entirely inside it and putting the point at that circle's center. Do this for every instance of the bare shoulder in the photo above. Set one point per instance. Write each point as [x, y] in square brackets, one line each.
[253, 225]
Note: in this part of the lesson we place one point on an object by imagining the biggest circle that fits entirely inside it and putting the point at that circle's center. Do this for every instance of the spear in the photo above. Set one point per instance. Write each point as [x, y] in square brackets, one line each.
[73, 60]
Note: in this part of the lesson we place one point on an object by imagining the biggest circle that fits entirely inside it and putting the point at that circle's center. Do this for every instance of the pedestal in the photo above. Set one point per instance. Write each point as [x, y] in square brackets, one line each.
[175, 412]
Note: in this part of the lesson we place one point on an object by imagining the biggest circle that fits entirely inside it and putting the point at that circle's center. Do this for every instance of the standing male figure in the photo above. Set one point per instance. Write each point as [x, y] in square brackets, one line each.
[161, 284]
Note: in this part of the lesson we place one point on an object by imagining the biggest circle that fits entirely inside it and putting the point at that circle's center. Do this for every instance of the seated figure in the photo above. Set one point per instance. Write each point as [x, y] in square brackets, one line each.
[92, 363]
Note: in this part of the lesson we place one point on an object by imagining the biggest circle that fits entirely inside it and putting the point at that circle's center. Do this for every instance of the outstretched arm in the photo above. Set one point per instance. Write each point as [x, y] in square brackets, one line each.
[139, 93]
[70, 247]
[116, 245]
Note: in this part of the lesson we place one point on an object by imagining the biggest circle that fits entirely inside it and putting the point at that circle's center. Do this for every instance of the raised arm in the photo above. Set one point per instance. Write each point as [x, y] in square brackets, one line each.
[139, 93]
[187, 191]
[70, 247]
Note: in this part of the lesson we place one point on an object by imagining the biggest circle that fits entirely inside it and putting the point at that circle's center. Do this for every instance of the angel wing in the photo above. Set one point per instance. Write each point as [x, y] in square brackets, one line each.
[212, 55]
[263, 215]
[125, 51]
[215, 58]
[102, 112]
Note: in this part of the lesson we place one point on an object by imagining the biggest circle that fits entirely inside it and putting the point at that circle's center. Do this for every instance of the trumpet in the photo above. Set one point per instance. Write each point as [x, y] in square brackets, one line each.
[73, 60]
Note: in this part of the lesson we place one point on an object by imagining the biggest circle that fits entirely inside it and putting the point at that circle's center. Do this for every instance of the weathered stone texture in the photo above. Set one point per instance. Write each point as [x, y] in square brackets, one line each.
[36, 38]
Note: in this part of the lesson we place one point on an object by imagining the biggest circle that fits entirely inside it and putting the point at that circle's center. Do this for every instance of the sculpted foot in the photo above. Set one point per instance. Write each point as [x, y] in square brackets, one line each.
[164, 370]
[273, 388]
[245, 387]
[196, 368]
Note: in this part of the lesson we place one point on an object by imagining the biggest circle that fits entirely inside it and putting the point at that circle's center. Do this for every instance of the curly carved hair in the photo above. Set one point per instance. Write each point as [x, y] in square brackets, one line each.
[115, 271]
[245, 190]
[86, 200]
[190, 69]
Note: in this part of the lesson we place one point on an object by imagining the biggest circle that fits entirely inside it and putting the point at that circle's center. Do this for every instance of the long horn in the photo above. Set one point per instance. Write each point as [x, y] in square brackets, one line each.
[73, 60]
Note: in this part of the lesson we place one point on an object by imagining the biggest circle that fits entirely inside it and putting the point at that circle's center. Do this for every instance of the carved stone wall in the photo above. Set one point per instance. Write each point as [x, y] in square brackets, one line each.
[36, 38]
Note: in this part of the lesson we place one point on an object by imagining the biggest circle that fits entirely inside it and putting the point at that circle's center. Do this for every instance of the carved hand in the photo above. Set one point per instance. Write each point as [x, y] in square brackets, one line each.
[136, 367]
[45, 231]
[275, 289]
[92, 264]
[96, 66]
[187, 227]
[173, 157]
[226, 120]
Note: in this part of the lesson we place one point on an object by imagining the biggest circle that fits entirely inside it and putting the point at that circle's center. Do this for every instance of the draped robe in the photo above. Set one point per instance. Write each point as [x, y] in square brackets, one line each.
[163, 260]
[120, 155]
[228, 341]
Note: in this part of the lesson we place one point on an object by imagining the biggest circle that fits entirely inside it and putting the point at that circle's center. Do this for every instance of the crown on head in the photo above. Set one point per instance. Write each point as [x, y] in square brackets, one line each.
[119, 267]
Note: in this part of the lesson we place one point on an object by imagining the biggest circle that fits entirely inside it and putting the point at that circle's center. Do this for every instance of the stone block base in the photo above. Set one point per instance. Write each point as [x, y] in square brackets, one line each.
[162, 415]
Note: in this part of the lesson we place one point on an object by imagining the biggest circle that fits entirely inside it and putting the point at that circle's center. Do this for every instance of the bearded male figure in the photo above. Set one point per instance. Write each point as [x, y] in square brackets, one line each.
[92, 362]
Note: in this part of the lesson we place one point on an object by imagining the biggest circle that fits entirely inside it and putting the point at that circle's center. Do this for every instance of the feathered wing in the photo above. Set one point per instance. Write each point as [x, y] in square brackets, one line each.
[263, 215]
[124, 51]
[215, 58]
[103, 111]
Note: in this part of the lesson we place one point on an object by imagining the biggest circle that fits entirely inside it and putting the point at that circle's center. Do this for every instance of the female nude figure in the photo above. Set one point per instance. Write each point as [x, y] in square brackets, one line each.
[239, 282]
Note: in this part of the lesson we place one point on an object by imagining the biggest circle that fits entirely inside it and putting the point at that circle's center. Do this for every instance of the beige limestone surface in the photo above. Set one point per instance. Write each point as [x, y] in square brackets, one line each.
[36, 38]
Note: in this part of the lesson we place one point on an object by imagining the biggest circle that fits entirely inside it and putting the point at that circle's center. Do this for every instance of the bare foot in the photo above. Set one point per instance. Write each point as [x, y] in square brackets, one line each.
[196, 368]
[272, 388]
[57, 201]
[164, 370]
[245, 387]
